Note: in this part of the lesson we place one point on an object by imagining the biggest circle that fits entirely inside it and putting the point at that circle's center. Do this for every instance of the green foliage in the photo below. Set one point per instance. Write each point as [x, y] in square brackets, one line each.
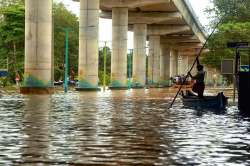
[231, 10]
[235, 27]
[64, 19]
[12, 38]
[101, 66]
[12, 30]
[130, 64]
[4, 81]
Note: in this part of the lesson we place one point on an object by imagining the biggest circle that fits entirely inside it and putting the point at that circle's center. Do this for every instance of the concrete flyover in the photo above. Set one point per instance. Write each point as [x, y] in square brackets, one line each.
[172, 29]
[170, 26]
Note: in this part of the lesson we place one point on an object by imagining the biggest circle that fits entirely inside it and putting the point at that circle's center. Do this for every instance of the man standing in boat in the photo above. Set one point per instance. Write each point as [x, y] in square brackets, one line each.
[199, 85]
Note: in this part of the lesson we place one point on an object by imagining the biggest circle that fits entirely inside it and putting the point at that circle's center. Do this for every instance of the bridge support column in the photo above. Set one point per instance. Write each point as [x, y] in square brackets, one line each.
[139, 58]
[191, 60]
[173, 63]
[154, 61]
[183, 65]
[38, 48]
[119, 48]
[88, 45]
[165, 66]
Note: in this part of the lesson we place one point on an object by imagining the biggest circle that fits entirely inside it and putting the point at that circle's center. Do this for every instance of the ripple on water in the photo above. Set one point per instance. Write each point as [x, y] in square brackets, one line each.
[118, 128]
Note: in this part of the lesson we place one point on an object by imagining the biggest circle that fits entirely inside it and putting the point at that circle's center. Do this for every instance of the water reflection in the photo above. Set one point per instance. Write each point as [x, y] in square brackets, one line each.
[118, 128]
[36, 129]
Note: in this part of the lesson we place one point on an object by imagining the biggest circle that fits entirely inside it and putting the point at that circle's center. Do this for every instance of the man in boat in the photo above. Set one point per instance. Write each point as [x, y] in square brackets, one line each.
[199, 85]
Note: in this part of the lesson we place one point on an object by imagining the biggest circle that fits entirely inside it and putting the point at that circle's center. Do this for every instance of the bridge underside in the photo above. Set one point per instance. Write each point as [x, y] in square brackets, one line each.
[170, 26]
[169, 18]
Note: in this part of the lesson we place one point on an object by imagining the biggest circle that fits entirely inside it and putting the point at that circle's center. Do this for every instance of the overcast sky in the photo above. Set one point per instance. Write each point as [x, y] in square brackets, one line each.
[106, 25]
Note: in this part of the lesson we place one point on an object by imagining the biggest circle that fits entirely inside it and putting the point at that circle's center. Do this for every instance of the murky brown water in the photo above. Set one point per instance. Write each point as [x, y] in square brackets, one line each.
[118, 128]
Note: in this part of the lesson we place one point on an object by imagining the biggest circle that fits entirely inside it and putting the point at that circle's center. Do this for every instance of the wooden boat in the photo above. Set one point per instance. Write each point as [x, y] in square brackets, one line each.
[187, 86]
[218, 102]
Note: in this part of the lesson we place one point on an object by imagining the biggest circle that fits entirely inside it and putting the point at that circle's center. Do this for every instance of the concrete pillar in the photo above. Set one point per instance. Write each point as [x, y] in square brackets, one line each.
[38, 47]
[119, 48]
[173, 63]
[165, 66]
[88, 45]
[183, 65]
[139, 57]
[191, 60]
[154, 60]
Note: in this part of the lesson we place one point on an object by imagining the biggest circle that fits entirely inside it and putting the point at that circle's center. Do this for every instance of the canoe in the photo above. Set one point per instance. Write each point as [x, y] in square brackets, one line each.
[218, 102]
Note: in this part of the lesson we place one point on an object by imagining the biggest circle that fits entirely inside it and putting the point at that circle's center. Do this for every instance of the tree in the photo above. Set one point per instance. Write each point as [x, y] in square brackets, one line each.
[235, 26]
[101, 66]
[64, 19]
[12, 27]
[12, 37]
[231, 10]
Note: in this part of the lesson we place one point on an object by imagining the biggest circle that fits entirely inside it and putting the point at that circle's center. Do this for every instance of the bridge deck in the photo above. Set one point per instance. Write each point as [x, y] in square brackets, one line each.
[161, 16]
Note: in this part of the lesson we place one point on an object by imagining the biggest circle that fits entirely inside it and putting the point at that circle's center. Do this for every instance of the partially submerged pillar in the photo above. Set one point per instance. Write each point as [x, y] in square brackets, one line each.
[173, 63]
[119, 48]
[183, 65]
[154, 61]
[191, 60]
[88, 45]
[139, 57]
[38, 77]
[165, 66]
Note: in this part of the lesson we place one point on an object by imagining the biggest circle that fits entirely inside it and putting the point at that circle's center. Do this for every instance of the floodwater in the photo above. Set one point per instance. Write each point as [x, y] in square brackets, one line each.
[118, 128]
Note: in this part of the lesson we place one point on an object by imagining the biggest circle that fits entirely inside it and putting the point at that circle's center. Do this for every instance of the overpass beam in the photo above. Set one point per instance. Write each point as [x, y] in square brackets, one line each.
[131, 3]
[165, 65]
[190, 20]
[167, 29]
[154, 61]
[88, 45]
[147, 17]
[173, 63]
[139, 58]
[38, 77]
[119, 48]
